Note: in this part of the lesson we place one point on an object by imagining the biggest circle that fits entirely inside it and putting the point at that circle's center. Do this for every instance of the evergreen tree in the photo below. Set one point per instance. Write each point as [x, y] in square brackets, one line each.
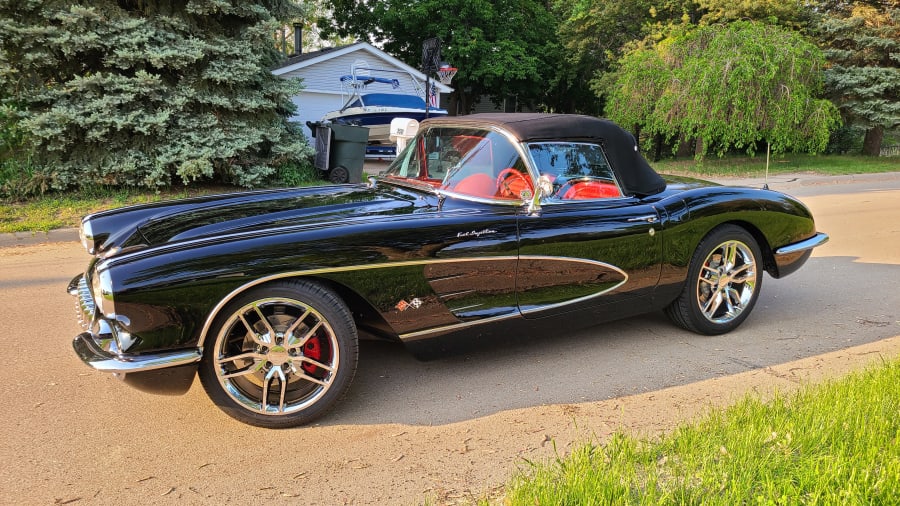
[141, 92]
[862, 44]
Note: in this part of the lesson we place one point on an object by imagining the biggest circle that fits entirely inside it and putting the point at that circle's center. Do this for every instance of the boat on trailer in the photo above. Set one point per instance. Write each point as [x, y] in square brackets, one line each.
[375, 110]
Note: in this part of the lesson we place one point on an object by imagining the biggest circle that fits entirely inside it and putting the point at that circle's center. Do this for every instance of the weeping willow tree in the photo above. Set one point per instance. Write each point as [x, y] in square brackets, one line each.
[144, 92]
[728, 86]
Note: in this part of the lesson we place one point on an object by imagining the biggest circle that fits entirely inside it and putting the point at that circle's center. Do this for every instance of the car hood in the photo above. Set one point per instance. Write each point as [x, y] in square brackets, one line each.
[109, 232]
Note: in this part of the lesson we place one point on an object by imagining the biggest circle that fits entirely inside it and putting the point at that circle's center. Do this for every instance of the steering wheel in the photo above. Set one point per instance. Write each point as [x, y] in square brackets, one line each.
[511, 183]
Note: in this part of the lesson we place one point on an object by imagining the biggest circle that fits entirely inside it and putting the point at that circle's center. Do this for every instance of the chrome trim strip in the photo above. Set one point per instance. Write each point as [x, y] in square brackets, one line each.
[95, 357]
[215, 311]
[650, 218]
[411, 336]
[575, 301]
[814, 241]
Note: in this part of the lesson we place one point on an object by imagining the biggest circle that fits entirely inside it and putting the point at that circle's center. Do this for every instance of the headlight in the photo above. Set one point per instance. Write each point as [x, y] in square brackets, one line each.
[87, 236]
[101, 287]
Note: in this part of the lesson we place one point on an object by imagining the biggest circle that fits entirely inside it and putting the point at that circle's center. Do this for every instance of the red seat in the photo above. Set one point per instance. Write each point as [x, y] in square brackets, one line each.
[478, 185]
[591, 190]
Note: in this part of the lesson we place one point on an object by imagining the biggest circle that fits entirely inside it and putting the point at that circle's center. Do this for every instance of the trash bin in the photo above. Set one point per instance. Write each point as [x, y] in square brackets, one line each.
[340, 151]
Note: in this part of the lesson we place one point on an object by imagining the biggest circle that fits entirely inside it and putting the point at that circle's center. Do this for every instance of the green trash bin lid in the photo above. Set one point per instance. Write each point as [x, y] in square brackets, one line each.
[349, 133]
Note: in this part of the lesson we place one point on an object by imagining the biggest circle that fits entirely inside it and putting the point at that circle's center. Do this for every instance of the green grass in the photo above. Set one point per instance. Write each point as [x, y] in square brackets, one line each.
[834, 443]
[54, 210]
[745, 166]
[63, 210]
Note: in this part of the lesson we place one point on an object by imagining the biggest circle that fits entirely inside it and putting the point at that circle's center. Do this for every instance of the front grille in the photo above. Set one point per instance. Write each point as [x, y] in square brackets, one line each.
[84, 304]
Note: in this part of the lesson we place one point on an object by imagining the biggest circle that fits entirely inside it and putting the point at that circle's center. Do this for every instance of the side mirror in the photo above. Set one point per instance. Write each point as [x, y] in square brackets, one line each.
[544, 188]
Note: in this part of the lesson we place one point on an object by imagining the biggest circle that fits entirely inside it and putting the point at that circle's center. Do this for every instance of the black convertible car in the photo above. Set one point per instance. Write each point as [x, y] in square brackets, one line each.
[484, 225]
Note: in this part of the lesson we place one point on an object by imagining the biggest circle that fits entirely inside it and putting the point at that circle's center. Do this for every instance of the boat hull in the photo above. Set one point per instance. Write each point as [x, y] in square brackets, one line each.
[378, 119]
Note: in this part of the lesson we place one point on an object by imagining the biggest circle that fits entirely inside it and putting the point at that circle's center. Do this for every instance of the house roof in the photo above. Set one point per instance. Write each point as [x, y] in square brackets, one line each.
[311, 58]
[294, 60]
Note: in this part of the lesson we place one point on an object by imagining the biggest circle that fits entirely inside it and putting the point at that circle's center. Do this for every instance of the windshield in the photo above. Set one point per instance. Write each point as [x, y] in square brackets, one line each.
[468, 161]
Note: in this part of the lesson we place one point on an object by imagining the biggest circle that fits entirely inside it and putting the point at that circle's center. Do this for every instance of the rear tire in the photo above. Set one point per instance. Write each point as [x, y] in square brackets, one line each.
[723, 283]
[281, 356]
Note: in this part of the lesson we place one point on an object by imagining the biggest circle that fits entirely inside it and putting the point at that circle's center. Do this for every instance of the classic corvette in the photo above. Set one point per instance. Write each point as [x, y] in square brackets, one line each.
[483, 224]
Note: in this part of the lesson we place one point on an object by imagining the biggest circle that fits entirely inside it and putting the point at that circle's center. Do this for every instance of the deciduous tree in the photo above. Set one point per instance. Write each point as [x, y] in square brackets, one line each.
[503, 48]
[729, 86]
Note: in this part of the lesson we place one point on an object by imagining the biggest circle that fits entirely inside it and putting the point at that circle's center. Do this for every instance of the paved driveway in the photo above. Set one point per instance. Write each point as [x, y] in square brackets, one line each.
[443, 429]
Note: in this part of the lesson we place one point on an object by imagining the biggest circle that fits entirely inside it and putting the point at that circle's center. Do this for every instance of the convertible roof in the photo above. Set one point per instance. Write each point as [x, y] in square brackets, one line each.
[633, 171]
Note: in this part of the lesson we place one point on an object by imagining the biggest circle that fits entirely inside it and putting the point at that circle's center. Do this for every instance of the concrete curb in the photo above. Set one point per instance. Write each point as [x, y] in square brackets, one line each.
[32, 238]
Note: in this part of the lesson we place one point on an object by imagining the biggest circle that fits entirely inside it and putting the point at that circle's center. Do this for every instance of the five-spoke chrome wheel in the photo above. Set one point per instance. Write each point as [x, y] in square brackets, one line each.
[723, 282]
[282, 355]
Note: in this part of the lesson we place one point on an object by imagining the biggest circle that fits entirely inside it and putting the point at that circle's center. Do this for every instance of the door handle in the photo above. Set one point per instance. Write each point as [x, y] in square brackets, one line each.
[650, 218]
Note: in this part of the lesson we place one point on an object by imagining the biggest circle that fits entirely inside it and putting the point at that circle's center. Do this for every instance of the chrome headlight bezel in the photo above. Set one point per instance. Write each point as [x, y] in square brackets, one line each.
[102, 290]
[86, 234]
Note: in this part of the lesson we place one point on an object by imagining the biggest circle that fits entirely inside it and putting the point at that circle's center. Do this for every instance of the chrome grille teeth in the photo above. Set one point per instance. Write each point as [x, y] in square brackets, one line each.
[84, 305]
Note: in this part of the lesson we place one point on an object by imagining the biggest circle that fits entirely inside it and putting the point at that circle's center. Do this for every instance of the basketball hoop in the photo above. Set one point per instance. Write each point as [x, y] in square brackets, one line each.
[446, 73]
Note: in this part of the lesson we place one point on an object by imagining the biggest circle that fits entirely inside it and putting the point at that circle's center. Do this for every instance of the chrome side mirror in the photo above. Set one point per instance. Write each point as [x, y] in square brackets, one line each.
[544, 188]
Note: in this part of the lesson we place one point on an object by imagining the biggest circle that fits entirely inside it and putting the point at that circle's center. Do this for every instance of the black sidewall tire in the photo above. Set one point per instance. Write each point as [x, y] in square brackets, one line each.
[330, 306]
[685, 310]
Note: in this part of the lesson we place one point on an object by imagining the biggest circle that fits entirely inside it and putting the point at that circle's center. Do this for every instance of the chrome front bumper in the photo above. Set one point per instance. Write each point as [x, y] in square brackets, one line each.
[99, 347]
[91, 353]
[791, 257]
[799, 247]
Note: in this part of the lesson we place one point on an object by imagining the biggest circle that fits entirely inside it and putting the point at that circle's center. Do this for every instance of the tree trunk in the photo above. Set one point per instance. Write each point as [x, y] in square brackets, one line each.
[684, 147]
[698, 147]
[657, 147]
[872, 142]
[453, 104]
[464, 104]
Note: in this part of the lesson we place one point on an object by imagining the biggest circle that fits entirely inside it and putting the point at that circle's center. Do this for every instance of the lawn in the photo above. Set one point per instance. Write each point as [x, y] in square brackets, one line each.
[745, 166]
[834, 443]
[64, 210]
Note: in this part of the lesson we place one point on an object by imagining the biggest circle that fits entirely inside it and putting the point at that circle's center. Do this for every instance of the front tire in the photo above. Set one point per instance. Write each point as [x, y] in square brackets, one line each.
[283, 354]
[723, 283]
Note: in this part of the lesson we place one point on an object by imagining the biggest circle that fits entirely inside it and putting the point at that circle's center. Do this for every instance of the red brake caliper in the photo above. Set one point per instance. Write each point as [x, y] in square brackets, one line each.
[313, 350]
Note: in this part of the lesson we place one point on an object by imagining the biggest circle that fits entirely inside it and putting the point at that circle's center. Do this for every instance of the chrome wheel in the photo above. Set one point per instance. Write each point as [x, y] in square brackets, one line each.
[727, 282]
[283, 354]
[723, 282]
[276, 356]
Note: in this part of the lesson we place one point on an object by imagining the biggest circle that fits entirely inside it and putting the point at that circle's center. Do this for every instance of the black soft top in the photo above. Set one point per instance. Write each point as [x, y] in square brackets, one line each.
[633, 171]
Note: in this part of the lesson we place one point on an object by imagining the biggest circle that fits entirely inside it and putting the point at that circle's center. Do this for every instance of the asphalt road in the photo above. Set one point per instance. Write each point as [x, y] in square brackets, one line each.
[72, 435]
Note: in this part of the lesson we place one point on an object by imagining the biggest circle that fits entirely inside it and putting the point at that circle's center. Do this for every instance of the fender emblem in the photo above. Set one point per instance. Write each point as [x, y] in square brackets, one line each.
[403, 305]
